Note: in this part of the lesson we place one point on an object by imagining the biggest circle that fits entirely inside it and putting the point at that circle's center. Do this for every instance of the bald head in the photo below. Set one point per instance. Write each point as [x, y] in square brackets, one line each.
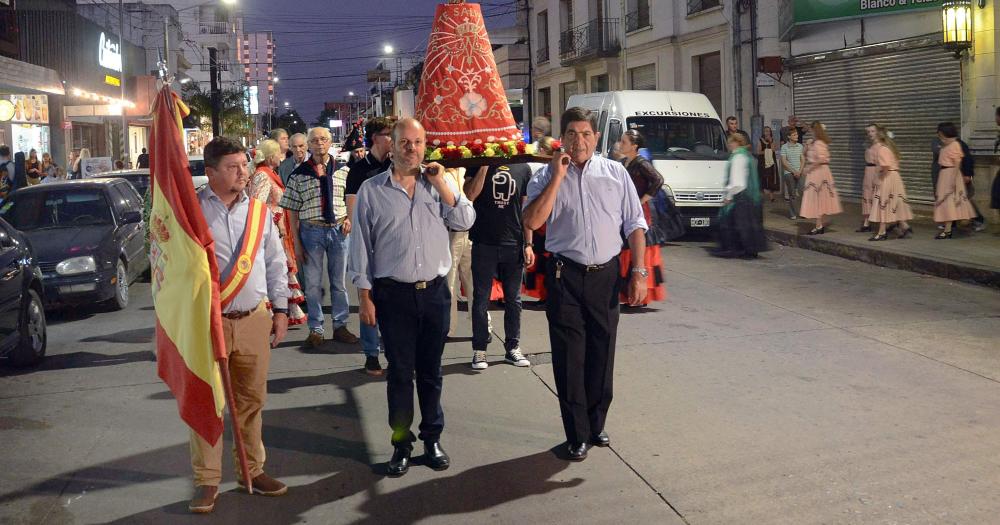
[409, 142]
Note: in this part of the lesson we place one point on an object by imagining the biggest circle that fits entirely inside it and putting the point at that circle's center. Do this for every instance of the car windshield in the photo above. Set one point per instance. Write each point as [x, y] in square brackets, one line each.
[197, 167]
[682, 137]
[56, 209]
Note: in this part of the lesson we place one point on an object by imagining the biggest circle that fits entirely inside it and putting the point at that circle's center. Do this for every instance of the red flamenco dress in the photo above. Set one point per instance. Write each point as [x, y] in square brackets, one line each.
[644, 177]
[266, 186]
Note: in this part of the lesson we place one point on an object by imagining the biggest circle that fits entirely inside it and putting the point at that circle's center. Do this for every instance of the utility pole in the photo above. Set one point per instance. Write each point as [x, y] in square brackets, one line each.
[213, 72]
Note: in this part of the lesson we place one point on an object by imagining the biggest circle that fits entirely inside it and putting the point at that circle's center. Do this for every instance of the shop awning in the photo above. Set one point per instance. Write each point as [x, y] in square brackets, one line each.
[22, 77]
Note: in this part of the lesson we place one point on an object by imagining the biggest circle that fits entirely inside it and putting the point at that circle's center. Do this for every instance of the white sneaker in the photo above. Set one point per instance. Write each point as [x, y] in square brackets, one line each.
[979, 226]
[479, 360]
[516, 358]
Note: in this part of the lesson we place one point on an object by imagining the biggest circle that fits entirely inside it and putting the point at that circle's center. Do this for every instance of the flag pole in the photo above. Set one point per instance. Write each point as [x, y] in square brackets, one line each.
[241, 452]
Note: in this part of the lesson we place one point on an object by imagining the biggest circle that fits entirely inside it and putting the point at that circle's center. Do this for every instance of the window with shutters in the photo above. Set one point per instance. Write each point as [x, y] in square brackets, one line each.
[696, 6]
[599, 83]
[542, 30]
[642, 77]
[545, 102]
[566, 90]
[709, 81]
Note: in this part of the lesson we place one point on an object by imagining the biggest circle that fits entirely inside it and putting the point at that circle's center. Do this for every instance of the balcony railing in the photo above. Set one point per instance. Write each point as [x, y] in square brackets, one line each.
[637, 20]
[214, 28]
[595, 39]
[542, 55]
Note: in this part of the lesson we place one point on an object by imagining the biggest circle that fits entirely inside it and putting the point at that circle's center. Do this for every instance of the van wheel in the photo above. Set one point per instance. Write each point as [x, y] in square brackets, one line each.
[31, 328]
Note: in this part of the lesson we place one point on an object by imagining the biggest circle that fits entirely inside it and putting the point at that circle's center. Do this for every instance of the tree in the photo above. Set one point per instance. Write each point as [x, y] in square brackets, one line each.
[325, 116]
[233, 118]
[292, 122]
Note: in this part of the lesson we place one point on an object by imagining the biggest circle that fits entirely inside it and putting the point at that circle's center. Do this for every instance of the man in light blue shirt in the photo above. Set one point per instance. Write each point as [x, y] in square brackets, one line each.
[399, 257]
[587, 204]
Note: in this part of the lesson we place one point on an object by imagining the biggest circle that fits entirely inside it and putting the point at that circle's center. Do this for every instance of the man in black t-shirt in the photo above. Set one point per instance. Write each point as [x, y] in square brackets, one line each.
[500, 249]
[378, 134]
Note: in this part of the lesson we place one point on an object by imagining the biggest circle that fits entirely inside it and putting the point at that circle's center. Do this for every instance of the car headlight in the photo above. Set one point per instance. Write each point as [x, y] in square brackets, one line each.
[76, 265]
[668, 191]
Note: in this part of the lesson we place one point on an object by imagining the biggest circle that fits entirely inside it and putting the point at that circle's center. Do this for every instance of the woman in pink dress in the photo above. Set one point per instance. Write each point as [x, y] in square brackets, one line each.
[889, 202]
[871, 176]
[952, 203]
[819, 197]
[266, 186]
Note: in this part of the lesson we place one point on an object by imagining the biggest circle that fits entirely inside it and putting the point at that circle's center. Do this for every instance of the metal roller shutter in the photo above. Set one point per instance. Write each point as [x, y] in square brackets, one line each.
[643, 77]
[908, 91]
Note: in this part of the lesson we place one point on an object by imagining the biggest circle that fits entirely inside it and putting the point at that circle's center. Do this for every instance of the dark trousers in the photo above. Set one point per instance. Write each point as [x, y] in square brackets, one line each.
[582, 310]
[414, 324]
[970, 191]
[506, 264]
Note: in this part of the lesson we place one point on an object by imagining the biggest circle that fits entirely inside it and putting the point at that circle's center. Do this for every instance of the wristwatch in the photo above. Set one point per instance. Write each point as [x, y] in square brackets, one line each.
[279, 311]
[641, 270]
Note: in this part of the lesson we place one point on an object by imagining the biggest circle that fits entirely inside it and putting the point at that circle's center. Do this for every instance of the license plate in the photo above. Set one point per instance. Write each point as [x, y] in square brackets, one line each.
[700, 222]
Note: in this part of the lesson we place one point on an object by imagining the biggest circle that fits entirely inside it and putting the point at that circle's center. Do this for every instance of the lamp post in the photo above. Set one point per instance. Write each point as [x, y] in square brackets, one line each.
[956, 25]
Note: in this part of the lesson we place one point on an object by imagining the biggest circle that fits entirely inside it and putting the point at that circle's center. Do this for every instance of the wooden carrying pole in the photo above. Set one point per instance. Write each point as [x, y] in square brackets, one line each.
[241, 452]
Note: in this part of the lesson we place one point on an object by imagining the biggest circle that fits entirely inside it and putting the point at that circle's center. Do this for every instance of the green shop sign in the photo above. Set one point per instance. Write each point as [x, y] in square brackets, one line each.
[801, 12]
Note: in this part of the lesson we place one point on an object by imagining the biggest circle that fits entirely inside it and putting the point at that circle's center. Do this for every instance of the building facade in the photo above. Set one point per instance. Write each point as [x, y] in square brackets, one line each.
[257, 54]
[848, 64]
[582, 46]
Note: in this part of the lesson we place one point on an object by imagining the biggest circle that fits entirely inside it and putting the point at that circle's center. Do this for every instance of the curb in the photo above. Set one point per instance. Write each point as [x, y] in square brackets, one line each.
[899, 261]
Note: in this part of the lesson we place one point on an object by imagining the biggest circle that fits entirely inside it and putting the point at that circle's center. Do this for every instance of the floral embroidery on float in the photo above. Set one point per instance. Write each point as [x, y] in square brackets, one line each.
[462, 103]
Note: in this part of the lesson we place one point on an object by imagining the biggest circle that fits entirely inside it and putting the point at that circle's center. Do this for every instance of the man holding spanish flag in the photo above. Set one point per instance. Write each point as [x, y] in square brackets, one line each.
[252, 269]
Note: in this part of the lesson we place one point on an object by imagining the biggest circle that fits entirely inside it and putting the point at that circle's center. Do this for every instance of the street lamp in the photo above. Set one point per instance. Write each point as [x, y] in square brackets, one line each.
[956, 20]
[388, 49]
[286, 103]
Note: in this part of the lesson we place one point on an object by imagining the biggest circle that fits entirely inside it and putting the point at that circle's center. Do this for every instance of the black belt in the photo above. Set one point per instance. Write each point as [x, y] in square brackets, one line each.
[587, 267]
[419, 285]
[870, 165]
[946, 167]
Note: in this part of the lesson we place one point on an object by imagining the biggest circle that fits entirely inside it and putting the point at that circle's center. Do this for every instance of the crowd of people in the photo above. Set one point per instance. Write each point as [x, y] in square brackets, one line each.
[20, 169]
[388, 221]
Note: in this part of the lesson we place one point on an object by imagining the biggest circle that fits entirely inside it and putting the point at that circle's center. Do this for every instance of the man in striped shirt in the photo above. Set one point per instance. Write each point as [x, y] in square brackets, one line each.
[314, 199]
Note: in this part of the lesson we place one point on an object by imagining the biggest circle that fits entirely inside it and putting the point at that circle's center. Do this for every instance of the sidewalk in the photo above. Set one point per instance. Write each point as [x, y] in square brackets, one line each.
[972, 257]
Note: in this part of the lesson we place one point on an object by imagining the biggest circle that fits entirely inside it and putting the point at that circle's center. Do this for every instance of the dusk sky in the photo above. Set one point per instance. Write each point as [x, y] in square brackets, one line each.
[324, 47]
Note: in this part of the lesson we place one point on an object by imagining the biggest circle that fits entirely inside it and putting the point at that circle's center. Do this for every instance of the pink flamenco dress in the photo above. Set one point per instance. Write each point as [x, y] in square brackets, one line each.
[889, 203]
[870, 180]
[266, 186]
[952, 203]
[819, 197]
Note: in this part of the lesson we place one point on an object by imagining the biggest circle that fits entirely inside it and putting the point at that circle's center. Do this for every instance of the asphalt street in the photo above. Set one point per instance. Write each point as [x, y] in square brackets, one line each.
[798, 388]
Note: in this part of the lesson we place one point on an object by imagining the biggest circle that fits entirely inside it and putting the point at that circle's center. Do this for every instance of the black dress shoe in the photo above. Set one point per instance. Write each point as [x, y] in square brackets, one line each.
[435, 456]
[601, 440]
[400, 462]
[576, 451]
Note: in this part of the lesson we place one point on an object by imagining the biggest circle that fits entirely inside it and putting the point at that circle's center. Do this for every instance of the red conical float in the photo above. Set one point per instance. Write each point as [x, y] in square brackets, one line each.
[461, 102]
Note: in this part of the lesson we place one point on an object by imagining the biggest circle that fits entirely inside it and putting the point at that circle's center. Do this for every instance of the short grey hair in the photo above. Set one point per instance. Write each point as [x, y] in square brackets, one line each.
[319, 131]
[543, 124]
[303, 135]
[276, 133]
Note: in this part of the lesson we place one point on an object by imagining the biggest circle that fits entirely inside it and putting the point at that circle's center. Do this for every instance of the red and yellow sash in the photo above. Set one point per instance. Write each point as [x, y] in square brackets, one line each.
[253, 232]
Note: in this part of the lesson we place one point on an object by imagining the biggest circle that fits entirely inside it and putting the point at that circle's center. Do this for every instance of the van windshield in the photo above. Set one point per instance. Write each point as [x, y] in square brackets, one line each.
[682, 137]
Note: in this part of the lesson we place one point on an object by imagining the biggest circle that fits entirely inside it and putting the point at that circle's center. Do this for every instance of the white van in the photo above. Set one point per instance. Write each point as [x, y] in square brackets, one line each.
[684, 135]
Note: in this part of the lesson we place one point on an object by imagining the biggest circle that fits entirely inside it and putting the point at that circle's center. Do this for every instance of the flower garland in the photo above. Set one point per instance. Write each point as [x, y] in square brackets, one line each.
[480, 149]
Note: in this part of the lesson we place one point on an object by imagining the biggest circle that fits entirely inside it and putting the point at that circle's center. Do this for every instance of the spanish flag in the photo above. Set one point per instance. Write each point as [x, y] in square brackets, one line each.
[185, 278]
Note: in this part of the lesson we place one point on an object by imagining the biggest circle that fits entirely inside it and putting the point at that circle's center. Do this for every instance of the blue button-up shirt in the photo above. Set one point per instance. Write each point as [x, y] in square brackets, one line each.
[593, 208]
[269, 276]
[402, 239]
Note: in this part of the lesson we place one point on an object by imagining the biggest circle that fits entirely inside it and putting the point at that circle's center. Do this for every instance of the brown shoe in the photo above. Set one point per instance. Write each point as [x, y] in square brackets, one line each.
[203, 501]
[266, 486]
[344, 335]
[314, 340]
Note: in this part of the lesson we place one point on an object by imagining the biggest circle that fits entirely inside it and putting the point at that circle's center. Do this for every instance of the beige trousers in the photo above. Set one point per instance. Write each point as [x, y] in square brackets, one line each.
[249, 350]
[461, 269]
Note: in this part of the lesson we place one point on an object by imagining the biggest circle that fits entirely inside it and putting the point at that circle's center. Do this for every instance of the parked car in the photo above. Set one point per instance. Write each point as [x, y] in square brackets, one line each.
[87, 236]
[138, 177]
[197, 165]
[22, 315]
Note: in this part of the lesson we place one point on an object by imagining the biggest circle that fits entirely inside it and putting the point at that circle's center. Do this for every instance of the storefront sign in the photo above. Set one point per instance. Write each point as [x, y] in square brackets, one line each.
[799, 12]
[112, 81]
[110, 54]
[94, 166]
[32, 109]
